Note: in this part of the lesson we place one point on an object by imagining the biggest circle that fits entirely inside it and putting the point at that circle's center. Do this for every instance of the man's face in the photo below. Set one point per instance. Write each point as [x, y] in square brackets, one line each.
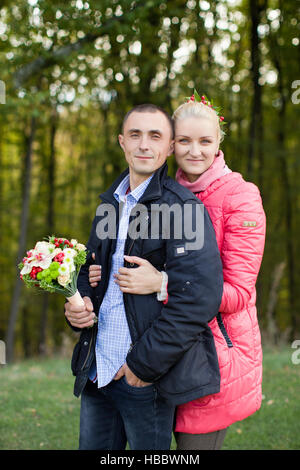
[146, 142]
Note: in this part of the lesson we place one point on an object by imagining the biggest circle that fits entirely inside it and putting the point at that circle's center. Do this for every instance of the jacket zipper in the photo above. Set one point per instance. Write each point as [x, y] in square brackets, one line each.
[224, 331]
[89, 351]
[130, 320]
[130, 248]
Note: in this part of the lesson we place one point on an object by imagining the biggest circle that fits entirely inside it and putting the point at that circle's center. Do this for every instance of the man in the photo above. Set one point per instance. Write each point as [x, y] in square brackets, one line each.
[145, 357]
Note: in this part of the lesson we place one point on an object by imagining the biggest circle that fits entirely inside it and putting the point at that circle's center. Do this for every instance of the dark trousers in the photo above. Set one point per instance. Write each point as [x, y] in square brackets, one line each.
[119, 413]
[208, 441]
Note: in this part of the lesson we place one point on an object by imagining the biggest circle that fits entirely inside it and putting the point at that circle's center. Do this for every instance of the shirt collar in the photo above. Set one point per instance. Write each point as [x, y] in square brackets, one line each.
[136, 194]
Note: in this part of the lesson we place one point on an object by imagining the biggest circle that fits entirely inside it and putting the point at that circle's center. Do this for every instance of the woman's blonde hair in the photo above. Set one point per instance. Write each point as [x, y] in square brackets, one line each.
[199, 110]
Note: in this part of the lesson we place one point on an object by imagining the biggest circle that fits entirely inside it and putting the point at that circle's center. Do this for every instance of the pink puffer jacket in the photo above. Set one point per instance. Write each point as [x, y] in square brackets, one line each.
[236, 211]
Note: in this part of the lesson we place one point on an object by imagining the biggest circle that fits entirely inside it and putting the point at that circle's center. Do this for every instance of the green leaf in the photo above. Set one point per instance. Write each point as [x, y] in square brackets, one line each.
[196, 95]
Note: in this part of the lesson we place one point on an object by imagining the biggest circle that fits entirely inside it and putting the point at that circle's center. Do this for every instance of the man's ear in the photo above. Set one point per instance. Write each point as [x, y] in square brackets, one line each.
[121, 140]
[171, 148]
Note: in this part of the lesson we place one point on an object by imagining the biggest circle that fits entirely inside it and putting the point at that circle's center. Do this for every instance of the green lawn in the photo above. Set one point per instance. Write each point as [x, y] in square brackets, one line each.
[39, 410]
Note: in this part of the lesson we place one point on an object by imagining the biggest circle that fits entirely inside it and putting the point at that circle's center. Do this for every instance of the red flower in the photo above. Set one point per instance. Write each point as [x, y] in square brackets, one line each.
[59, 258]
[34, 272]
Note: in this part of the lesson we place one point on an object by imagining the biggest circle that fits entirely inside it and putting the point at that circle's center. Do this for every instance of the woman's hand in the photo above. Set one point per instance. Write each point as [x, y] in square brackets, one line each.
[94, 273]
[142, 280]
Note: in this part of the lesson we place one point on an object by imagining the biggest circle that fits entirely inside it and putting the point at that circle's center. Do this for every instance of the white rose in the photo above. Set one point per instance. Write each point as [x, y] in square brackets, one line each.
[63, 279]
[80, 247]
[74, 242]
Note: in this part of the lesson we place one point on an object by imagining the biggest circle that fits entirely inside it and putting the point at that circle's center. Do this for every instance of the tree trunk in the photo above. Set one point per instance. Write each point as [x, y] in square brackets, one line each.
[1, 184]
[10, 335]
[287, 201]
[50, 229]
[255, 130]
[286, 183]
[25, 331]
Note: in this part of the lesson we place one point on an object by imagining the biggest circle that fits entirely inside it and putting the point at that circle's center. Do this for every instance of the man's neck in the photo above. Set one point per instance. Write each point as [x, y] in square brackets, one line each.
[136, 180]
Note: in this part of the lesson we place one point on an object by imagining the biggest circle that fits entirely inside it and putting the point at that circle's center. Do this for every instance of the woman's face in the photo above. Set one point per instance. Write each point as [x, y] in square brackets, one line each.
[196, 144]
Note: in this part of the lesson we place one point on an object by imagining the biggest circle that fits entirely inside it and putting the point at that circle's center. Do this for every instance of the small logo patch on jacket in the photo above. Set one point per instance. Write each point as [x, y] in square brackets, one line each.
[249, 223]
[180, 251]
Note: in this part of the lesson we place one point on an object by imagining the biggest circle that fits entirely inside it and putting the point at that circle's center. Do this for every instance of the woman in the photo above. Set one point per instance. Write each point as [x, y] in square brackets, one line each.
[236, 211]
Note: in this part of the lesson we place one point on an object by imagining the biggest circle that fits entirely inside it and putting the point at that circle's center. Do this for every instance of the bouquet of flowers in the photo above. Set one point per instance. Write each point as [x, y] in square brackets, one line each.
[53, 266]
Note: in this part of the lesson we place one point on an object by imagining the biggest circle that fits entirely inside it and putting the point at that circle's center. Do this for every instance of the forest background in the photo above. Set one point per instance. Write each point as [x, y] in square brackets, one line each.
[69, 71]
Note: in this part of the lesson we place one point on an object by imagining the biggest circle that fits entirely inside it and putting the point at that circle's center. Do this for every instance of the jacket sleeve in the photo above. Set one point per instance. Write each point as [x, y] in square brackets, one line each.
[83, 283]
[195, 284]
[243, 245]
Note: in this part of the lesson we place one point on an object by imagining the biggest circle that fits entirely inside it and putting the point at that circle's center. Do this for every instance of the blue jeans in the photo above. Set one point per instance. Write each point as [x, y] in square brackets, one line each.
[112, 415]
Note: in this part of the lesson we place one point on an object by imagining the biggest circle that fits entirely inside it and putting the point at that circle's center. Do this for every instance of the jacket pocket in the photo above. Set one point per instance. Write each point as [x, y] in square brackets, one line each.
[191, 372]
[82, 351]
[155, 253]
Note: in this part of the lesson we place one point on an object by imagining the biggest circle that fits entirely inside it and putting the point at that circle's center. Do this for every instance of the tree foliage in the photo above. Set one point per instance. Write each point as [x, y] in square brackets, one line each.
[72, 70]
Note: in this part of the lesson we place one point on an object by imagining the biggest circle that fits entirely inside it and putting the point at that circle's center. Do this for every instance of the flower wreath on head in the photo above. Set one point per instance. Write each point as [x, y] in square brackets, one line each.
[203, 99]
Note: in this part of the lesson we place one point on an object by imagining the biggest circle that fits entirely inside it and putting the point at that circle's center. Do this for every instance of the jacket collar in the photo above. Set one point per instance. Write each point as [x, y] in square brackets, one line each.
[153, 191]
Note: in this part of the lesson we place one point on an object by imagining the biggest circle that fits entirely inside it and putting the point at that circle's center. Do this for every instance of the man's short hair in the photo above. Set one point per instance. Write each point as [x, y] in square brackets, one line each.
[150, 108]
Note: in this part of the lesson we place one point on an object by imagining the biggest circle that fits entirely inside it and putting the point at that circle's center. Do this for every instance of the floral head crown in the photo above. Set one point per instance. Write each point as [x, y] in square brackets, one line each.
[203, 99]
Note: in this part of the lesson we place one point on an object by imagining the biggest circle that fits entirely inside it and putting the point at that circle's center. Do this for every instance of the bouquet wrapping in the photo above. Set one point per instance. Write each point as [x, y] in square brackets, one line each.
[53, 266]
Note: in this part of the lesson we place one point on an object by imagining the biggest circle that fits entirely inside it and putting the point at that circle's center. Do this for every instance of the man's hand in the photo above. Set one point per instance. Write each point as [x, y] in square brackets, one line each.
[131, 379]
[80, 317]
[94, 273]
[142, 280]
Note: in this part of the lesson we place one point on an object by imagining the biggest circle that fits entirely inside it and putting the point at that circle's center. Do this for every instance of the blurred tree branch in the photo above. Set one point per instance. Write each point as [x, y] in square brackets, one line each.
[56, 56]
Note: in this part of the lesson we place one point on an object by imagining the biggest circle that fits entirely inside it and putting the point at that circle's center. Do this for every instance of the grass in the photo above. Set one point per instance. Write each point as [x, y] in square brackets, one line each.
[39, 410]
[276, 425]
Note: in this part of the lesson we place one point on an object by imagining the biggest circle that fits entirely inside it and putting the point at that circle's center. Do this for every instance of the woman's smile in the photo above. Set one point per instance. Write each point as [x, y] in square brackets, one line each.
[195, 160]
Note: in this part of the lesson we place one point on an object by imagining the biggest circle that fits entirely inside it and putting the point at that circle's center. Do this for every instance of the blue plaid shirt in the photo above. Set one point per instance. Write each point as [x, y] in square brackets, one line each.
[113, 337]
